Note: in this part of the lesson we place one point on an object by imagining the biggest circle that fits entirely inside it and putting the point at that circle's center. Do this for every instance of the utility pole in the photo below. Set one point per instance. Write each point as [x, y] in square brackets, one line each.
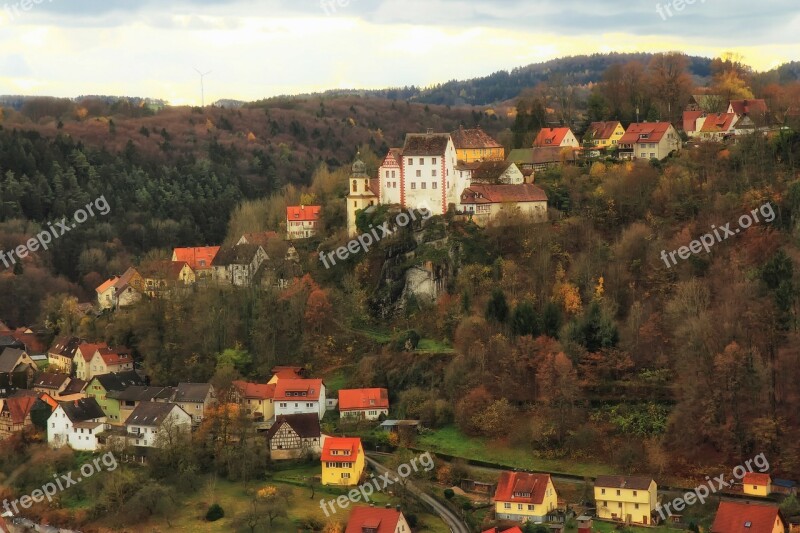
[202, 87]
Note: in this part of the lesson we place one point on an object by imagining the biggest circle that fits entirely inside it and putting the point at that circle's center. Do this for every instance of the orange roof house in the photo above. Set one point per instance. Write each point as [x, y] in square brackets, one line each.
[291, 389]
[514, 529]
[334, 446]
[199, 258]
[735, 517]
[522, 497]
[555, 137]
[376, 520]
[303, 213]
[366, 403]
[755, 106]
[717, 124]
[255, 391]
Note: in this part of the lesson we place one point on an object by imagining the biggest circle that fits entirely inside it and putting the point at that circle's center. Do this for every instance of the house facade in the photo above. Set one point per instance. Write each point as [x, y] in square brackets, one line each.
[129, 398]
[716, 127]
[15, 415]
[195, 398]
[368, 404]
[122, 291]
[363, 193]
[102, 387]
[257, 399]
[627, 498]
[199, 259]
[77, 425]
[342, 461]
[603, 135]
[376, 520]
[163, 277]
[523, 497]
[649, 140]
[294, 437]
[302, 221]
[152, 423]
[485, 202]
[756, 484]
[556, 137]
[237, 265]
[62, 353]
[17, 370]
[298, 396]
[474, 144]
[50, 383]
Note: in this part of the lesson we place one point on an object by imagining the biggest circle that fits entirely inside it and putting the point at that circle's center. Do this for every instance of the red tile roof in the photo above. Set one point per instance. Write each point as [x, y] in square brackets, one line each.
[690, 120]
[521, 487]
[4, 526]
[491, 194]
[381, 520]
[350, 444]
[514, 529]
[753, 478]
[106, 284]
[19, 408]
[255, 391]
[288, 372]
[303, 213]
[735, 517]
[199, 258]
[115, 357]
[353, 399]
[653, 130]
[747, 107]
[551, 136]
[718, 122]
[601, 130]
[87, 349]
[263, 238]
[288, 389]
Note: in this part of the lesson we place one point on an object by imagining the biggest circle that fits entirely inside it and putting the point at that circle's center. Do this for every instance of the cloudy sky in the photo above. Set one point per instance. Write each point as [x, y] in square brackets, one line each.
[269, 47]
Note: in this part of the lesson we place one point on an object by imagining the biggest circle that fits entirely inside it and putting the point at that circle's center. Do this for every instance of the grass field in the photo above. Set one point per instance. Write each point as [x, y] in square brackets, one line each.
[606, 527]
[451, 441]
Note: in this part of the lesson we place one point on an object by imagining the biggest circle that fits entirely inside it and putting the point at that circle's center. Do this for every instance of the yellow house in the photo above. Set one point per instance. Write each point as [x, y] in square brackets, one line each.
[162, 276]
[342, 461]
[757, 484]
[604, 134]
[256, 398]
[523, 497]
[476, 145]
[628, 498]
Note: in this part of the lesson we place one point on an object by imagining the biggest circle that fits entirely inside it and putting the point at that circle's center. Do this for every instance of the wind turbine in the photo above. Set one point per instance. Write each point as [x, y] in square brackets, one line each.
[202, 86]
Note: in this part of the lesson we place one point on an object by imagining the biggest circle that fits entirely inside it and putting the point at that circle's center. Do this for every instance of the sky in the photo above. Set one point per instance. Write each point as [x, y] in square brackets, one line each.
[256, 49]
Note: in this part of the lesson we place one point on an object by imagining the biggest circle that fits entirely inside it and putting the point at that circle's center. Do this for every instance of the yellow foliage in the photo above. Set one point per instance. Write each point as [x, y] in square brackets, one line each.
[251, 136]
[267, 492]
[81, 113]
[597, 170]
[599, 290]
[567, 294]
[209, 124]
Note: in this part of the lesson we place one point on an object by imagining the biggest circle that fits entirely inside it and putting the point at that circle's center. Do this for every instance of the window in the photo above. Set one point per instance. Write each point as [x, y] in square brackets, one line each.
[419, 173]
[345, 475]
[619, 505]
[433, 160]
[519, 507]
[602, 491]
[507, 506]
[530, 507]
[421, 160]
[635, 505]
[618, 493]
[413, 185]
[434, 185]
[410, 161]
[635, 492]
[423, 185]
[433, 173]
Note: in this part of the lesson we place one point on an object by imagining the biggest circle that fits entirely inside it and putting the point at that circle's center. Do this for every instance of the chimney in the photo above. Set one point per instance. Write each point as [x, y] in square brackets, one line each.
[388, 505]
[397, 508]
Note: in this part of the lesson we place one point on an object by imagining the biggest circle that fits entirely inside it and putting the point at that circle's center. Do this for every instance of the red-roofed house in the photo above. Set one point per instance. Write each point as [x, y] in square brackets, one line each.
[199, 259]
[83, 359]
[514, 529]
[121, 291]
[755, 484]
[369, 404]
[735, 517]
[297, 396]
[376, 520]
[342, 461]
[522, 497]
[755, 108]
[485, 202]
[690, 122]
[107, 360]
[717, 126]
[15, 414]
[256, 398]
[649, 140]
[301, 221]
[555, 137]
[604, 134]
[286, 372]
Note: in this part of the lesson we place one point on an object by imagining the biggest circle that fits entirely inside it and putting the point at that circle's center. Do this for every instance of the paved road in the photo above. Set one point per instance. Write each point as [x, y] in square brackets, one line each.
[455, 524]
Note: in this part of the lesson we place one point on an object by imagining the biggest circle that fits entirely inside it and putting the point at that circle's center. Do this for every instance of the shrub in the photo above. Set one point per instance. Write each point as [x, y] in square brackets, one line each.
[449, 493]
[215, 512]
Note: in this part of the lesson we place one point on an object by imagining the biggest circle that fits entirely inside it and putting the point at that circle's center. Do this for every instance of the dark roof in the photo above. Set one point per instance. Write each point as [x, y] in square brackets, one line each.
[119, 381]
[473, 138]
[150, 413]
[426, 144]
[7, 341]
[497, 194]
[49, 380]
[490, 171]
[75, 386]
[66, 346]
[167, 270]
[192, 392]
[82, 410]
[624, 482]
[238, 254]
[601, 130]
[140, 393]
[306, 425]
[9, 358]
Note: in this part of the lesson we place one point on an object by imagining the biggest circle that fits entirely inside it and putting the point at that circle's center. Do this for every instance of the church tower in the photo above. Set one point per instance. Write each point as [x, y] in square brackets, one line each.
[361, 195]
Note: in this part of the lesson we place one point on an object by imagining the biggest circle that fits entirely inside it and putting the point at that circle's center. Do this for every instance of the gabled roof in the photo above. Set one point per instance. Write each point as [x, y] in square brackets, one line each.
[496, 194]
[107, 284]
[192, 392]
[123, 281]
[198, 258]
[9, 359]
[653, 132]
[490, 171]
[115, 356]
[65, 346]
[339, 444]
[551, 137]
[288, 372]
[76, 386]
[29, 339]
[718, 122]
[425, 144]
[255, 391]
[142, 393]
[119, 381]
[363, 399]
[82, 410]
[464, 139]
[291, 389]
[753, 478]
[372, 518]
[306, 425]
[18, 407]
[735, 517]
[521, 487]
[166, 270]
[150, 414]
[514, 529]
[263, 238]
[238, 254]
[602, 131]
[88, 349]
[624, 482]
[50, 380]
[690, 120]
[303, 213]
[749, 107]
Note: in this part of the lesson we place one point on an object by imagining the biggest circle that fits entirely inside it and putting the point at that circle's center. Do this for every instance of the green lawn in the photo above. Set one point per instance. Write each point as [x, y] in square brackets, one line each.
[432, 346]
[607, 527]
[451, 441]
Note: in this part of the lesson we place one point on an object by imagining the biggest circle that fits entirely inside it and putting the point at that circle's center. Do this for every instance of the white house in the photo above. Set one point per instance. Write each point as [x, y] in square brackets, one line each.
[485, 202]
[649, 140]
[297, 396]
[369, 404]
[76, 424]
[151, 420]
[561, 137]
[237, 265]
